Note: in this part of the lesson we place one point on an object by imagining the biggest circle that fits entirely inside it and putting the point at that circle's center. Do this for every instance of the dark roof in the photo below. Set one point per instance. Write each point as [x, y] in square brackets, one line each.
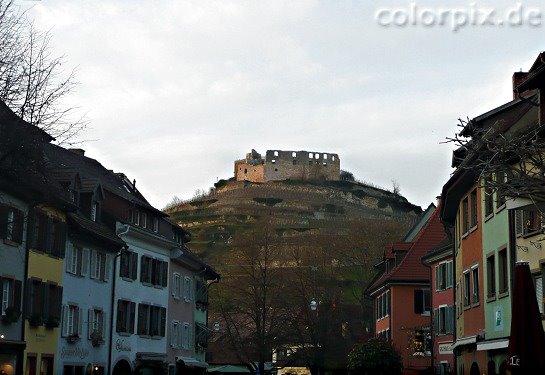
[93, 172]
[443, 250]
[410, 268]
[535, 77]
[97, 230]
[8, 116]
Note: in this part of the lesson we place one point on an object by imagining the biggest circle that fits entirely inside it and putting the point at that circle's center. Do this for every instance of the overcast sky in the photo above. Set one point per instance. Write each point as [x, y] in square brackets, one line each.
[175, 91]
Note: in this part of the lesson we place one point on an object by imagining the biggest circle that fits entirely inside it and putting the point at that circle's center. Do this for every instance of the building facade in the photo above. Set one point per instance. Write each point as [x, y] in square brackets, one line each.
[401, 281]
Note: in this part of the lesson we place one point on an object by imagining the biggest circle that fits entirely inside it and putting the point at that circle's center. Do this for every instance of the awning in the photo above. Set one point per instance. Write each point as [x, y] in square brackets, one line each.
[191, 362]
[464, 341]
[225, 369]
[493, 344]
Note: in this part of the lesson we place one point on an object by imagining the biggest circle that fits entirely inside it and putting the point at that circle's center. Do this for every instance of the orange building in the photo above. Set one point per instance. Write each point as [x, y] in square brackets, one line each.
[401, 292]
[461, 211]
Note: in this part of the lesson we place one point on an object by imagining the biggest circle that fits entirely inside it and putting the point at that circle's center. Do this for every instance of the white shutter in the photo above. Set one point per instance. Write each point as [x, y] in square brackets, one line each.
[68, 258]
[64, 326]
[84, 262]
[107, 266]
[519, 223]
[539, 293]
[450, 277]
[172, 334]
[93, 263]
[437, 271]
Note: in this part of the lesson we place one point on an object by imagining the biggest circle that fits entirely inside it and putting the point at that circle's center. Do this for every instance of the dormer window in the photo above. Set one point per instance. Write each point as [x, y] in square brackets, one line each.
[94, 211]
[144, 222]
[155, 224]
[136, 218]
[74, 196]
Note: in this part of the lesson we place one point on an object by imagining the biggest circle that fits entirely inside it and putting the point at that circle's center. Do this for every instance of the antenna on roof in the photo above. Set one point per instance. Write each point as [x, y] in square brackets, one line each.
[134, 185]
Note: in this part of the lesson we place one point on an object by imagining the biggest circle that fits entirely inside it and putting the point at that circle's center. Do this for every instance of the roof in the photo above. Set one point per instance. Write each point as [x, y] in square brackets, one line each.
[8, 116]
[97, 230]
[441, 251]
[418, 225]
[535, 77]
[410, 269]
[93, 172]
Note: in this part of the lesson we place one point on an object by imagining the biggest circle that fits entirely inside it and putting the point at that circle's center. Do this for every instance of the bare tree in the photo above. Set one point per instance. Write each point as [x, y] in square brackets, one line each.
[32, 82]
[507, 157]
[253, 303]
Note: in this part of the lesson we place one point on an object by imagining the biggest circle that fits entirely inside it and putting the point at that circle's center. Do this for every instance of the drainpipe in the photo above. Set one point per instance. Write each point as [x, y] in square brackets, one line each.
[114, 277]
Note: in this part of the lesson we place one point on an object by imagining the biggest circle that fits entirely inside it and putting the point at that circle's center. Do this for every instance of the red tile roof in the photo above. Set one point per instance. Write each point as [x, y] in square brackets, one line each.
[411, 268]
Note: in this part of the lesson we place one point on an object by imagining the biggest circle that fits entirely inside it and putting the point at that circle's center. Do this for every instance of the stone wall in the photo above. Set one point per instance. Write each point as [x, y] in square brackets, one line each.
[301, 165]
[288, 165]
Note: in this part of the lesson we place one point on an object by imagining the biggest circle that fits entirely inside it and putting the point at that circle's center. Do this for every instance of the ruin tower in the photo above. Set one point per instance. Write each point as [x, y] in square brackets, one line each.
[283, 165]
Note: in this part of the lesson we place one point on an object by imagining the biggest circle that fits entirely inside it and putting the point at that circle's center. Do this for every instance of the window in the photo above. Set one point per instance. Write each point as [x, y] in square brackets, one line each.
[488, 199]
[176, 285]
[11, 224]
[77, 260]
[186, 336]
[443, 276]
[125, 316]
[144, 221]
[474, 218]
[44, 303]
[47, 234]
[532, 221]
[10, 298]
[176, 334]
[310, 155]
[475, 285]
[500, 198]
[151, 320]
[294, 154]
[538, 280]
[188, 289]
[491, 276]
[129, 265]
[71, 320]
[503, 275]
[325, 156]
[136, 217]
[383, 305]
[443, 318]
[5, 295]
[422, 342]
[96, 324]
[467, 288]
[155, 224]
[276, 153]
[201, 293]
[273, 161]
[153, 271]
[465, 216]
[422, 301]
[94, 211]
[100, 265]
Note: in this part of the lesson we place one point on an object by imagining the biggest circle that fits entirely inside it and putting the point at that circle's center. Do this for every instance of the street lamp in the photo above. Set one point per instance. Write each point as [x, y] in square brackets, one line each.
[313, 304]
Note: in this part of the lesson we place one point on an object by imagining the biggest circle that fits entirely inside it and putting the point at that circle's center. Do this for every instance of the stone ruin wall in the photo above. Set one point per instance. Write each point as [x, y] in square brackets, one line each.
[283, 165]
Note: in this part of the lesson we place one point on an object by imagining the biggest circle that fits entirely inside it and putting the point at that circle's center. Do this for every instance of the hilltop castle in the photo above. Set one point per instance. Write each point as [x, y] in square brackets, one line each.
[283, 165]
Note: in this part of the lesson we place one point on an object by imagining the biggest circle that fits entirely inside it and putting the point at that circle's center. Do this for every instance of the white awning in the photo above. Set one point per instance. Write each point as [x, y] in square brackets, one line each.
[464, 341]
[493, 344]
[191, 362]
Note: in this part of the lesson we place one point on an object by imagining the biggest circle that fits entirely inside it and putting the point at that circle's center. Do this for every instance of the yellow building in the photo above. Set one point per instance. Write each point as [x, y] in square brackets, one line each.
[43, 297]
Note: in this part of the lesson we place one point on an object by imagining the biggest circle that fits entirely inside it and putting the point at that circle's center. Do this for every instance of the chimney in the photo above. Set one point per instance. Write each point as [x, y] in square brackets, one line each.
[77, 151]
[518, 78]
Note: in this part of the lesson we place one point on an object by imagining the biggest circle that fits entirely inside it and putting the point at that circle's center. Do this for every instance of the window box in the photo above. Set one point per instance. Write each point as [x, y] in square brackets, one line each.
[11, 315]
[72, 339]
[52, 322]
[36, 320]
[96, 338]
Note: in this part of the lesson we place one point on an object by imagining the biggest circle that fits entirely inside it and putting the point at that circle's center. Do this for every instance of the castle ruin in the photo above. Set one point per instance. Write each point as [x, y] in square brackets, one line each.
[288, 165]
